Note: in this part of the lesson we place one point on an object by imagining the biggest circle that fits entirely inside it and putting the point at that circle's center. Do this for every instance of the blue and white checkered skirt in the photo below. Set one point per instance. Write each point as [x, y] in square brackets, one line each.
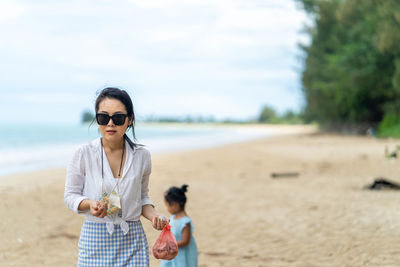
[98, 248]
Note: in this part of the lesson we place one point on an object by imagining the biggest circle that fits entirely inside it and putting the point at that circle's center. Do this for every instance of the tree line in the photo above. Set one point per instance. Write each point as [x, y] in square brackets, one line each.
[351, 74]
[267, 115]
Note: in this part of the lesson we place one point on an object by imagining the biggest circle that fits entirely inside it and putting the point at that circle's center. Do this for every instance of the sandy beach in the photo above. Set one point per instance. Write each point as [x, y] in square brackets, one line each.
[242, 216]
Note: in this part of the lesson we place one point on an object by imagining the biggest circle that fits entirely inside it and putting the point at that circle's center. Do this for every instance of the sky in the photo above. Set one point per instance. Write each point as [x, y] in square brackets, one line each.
[219, 58]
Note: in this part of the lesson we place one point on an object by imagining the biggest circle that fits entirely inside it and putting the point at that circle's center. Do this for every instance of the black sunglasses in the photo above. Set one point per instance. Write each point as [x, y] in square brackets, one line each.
[118, 119]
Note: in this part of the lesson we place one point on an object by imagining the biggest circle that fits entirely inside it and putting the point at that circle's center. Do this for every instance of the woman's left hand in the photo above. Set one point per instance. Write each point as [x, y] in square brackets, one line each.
[159, 221]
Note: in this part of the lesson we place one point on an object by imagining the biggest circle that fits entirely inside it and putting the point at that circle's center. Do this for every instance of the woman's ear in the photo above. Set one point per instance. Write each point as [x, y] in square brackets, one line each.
[130, 121]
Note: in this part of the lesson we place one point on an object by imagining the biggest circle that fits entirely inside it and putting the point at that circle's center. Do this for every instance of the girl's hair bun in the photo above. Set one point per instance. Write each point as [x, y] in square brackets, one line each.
[184, 188]
[176, 194]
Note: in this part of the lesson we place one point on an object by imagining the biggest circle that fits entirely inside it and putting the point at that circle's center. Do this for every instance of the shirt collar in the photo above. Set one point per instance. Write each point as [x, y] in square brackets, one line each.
[96, 143]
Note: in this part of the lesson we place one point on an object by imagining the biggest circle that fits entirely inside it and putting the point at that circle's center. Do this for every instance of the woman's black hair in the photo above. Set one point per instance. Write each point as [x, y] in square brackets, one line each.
[175, 194]
[121, 95]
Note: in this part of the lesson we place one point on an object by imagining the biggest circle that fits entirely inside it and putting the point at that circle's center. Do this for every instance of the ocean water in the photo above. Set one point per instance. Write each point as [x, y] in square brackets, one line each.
[32, 147]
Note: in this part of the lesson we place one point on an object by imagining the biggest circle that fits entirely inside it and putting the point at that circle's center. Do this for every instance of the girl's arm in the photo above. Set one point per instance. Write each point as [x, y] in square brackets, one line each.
[185, 236]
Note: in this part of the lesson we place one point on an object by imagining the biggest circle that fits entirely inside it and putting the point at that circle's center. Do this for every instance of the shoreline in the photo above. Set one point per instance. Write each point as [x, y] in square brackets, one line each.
[237, 133]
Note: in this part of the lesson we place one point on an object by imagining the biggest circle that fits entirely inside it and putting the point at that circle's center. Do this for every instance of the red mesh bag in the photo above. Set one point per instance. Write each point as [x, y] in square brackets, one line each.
[166, 247]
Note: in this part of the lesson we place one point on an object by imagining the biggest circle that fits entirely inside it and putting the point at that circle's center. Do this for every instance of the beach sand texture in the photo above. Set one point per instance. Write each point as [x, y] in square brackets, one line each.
[242, 216]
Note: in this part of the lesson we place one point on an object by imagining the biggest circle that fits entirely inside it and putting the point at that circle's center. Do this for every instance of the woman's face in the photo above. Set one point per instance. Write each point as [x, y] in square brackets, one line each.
[112, 132]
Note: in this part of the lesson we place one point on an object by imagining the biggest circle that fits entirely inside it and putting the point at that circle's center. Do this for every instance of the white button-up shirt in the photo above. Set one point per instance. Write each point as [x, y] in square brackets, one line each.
[84, 181]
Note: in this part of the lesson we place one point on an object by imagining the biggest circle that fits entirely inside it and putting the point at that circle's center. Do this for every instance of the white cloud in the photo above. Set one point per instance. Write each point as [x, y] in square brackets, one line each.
[10, 10]
[46, 98]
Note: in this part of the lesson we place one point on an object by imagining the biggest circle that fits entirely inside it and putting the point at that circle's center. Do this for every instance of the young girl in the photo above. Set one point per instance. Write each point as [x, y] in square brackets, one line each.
[182, 228]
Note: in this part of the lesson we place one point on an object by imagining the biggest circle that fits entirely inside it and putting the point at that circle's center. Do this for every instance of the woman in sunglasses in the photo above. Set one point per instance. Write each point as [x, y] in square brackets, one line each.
[107, 181]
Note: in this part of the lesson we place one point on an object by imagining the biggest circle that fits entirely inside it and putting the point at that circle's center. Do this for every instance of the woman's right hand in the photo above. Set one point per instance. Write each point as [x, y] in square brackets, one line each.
[97, 209]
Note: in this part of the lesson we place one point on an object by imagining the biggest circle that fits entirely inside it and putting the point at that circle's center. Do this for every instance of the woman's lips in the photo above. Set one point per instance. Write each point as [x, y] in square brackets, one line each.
[111, 132]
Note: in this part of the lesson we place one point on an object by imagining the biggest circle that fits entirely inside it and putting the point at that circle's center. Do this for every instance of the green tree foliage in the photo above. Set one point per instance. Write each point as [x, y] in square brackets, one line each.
[267, 115]
[87, 116]
[390, 125]
[291, 117]
[351, 70]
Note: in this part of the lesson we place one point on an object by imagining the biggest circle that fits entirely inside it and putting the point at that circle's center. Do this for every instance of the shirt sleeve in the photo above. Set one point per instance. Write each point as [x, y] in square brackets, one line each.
[145, 181]
[74, 182]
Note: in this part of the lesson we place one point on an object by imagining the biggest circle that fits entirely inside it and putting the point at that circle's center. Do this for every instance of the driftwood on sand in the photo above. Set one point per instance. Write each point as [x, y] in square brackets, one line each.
[383, 183]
